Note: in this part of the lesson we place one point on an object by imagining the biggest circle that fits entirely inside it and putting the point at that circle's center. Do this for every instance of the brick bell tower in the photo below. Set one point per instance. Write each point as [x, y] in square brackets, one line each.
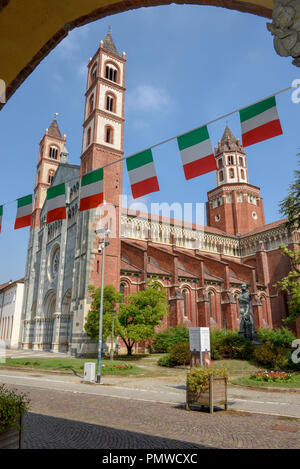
[234, 206]
[52, 152]
[102, 144]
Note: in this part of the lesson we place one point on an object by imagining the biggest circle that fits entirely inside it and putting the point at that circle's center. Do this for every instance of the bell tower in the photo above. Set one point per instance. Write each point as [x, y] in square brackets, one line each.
[51, 154]
[234, 206]
[102, 143]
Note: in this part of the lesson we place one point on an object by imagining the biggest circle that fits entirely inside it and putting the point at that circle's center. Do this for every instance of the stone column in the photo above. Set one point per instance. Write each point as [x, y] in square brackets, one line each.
[38, 338]
[57, 339]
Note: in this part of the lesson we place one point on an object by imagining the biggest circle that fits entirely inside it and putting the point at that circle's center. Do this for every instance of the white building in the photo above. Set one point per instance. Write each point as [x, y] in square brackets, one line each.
[11, 301]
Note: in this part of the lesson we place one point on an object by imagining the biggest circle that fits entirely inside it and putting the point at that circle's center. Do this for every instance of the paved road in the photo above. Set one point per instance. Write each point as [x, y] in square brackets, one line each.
[62, 419]
[160, 390]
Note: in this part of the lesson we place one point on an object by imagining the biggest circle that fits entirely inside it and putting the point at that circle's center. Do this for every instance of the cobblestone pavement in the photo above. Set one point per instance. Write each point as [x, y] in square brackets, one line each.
[163, 390]
[62, 419]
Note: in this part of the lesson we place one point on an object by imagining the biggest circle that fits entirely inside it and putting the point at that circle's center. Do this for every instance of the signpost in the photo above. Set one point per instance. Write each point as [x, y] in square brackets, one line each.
[200, 346]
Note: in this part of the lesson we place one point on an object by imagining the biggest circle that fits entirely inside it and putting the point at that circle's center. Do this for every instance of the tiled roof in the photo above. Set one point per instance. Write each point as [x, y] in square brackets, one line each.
[153, 269]
[128, 267]
[3, 286]
[53, 130]
[213, 278]
[267, 227]
[229, 141]
[109, 45]
[186, 274]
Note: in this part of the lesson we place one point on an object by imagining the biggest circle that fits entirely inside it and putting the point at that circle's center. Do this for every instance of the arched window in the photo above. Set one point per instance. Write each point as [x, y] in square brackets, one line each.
[231, 173]
[220, 163]
[230, 159]
[286, 304]
[221, 176]
[108, 134]
[242, 174]
[91, 104]
[237, 309]
[241, 161]
[88, 137]
[50, 176]
[110, 73]
[210, 294]
[94, 73]
[53, 153]
[123, 290]
[110, 103]
[184, 294]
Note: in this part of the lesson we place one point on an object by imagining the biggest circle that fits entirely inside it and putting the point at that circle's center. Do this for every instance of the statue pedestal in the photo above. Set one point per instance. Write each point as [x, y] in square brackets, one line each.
[256, 343]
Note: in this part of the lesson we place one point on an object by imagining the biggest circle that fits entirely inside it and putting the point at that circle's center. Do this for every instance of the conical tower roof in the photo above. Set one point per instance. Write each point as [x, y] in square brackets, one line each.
[53, 130]
[109, 45]
[229, 142]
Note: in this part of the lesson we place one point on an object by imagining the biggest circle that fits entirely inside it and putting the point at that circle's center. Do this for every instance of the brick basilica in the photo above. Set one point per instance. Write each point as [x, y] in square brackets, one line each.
[202, 268]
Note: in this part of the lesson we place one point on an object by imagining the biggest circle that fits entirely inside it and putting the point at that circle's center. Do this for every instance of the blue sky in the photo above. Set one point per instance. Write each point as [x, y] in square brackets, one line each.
[186, 65]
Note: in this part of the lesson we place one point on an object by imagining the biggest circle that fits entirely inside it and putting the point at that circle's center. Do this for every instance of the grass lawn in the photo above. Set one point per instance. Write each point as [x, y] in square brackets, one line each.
[73, 365]
[247, 381]
[235, 366]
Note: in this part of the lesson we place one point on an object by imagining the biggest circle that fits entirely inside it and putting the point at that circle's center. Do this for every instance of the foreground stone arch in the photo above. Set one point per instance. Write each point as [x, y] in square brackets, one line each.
[29, 31]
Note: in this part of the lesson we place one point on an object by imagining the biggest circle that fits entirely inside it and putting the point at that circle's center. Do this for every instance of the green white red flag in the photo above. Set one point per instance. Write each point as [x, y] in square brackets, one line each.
[196, 153]
[1, 215]
[260, 122]
[24, 212]
[91, 191]
[56, 203]
[142, 174]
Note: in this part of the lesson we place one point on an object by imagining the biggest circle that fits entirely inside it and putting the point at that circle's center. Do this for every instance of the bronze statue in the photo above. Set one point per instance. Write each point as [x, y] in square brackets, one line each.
[246, 314]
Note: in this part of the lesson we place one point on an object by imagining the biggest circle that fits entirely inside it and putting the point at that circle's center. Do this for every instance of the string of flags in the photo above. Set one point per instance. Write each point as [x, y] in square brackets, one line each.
[259, 122]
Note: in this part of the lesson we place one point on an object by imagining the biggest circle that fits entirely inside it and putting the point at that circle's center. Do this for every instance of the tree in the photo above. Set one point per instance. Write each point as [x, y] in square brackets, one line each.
[111, 298]
[140, 313]
[290, 207]
[291, 283]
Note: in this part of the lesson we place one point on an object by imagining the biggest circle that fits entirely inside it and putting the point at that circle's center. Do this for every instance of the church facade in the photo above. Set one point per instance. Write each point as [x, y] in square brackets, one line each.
[202, 268]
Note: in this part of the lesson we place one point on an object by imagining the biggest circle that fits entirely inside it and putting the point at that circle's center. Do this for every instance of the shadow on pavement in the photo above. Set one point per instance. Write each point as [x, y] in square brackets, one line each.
[45, 432]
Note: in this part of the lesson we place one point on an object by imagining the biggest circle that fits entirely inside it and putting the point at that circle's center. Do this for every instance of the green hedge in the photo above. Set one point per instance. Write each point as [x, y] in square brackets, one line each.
[12, 406]
[164, 340]
[198, 378]
[180, 353]
[282, 337]
[228, 344]
[274, 353]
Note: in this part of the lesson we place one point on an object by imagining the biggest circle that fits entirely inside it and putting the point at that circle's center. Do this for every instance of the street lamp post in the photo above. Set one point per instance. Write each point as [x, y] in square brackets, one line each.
[102, 244]
[112, 334]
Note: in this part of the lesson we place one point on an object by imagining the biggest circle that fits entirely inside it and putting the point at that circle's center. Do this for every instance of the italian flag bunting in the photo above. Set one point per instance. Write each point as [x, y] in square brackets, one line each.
[196, 153]
[260, 122]
[56, 203]
[1, 214]
[24, 211]
[142, 174]
[91, 191]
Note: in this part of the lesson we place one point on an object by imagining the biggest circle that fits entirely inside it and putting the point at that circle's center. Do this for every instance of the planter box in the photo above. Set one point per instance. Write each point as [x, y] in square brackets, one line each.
[12, 438]
[215, 393]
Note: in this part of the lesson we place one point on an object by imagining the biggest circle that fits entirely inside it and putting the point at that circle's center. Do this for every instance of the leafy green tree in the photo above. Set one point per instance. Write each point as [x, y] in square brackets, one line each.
[111, 298]
[290, 207]
[291, 283]
[140, 313]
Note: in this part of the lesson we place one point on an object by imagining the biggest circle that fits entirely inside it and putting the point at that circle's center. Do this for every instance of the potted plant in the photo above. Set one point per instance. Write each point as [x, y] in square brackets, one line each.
[13, 406]
[206, 387]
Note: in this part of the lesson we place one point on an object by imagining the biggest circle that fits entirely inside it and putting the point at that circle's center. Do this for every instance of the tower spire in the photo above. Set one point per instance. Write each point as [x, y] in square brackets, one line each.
[234, 206]
[109, 45]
